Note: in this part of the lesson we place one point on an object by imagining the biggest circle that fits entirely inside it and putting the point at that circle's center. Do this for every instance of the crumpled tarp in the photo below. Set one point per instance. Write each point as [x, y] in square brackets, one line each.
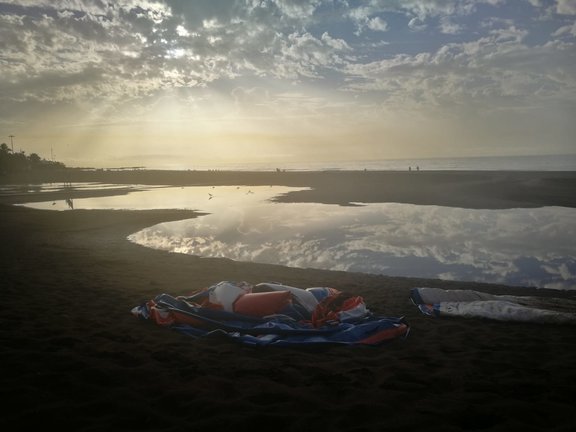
[210, 312]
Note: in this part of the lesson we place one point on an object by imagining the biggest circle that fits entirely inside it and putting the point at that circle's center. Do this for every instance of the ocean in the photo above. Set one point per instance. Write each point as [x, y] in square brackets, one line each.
[484, 163]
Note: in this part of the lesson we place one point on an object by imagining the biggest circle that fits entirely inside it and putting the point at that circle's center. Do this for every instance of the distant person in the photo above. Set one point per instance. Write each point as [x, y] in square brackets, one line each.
[409, 168]
[417, 168]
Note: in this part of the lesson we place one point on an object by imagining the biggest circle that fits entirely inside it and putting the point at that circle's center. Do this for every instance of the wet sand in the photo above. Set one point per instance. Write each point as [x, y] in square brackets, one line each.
[73, 357]
[466, 189]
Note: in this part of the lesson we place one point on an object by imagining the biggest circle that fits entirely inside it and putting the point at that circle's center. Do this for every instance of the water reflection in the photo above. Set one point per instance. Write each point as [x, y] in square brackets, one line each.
[527, 247]
[67, 190]
[204, 198]
[23, 189]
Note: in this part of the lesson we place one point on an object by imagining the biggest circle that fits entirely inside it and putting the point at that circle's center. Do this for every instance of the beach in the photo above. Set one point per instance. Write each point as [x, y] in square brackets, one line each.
[74, 358]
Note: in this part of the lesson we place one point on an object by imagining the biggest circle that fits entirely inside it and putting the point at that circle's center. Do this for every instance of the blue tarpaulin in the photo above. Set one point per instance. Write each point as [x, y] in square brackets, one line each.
[281, 329]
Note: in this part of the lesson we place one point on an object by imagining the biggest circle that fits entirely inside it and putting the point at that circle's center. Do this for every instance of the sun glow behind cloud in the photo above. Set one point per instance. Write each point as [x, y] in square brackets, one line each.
[181, 83]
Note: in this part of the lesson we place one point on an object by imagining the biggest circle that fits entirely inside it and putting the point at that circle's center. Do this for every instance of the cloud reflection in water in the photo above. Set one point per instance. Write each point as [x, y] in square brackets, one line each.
[528, 247]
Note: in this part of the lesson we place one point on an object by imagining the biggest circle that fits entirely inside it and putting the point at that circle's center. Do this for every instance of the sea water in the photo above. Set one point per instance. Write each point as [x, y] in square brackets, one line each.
[483, 163]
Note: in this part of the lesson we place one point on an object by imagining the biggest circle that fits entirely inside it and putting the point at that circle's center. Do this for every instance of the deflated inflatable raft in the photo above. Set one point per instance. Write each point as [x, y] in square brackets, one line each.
[273, 314]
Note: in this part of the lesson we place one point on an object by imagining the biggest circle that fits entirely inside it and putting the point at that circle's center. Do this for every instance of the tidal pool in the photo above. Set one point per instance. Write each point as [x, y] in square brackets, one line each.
[521, 247]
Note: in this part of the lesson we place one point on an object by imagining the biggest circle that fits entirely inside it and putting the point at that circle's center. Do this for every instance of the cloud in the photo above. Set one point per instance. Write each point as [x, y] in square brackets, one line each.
[299, 9]
[142, 46]
[566, 7]
[377, 24]
[73, 43]
[447, 26]
[303, 55]
[568, 30]
[417, 24]
[496, 66]
[359, 65]
[420, 8]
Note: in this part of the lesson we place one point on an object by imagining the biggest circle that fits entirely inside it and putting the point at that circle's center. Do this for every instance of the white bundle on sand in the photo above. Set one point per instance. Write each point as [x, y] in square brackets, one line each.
[475, 304]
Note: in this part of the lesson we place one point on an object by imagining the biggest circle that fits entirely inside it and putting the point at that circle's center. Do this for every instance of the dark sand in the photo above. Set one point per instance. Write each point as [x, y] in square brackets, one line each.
[74, 358]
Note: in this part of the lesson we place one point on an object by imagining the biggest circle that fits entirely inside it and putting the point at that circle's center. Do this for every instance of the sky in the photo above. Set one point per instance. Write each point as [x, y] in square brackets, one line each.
[185, 84]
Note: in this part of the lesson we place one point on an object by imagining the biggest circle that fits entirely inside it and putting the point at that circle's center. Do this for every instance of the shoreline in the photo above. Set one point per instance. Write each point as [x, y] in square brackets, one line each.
[466, 189]
[77, 359]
